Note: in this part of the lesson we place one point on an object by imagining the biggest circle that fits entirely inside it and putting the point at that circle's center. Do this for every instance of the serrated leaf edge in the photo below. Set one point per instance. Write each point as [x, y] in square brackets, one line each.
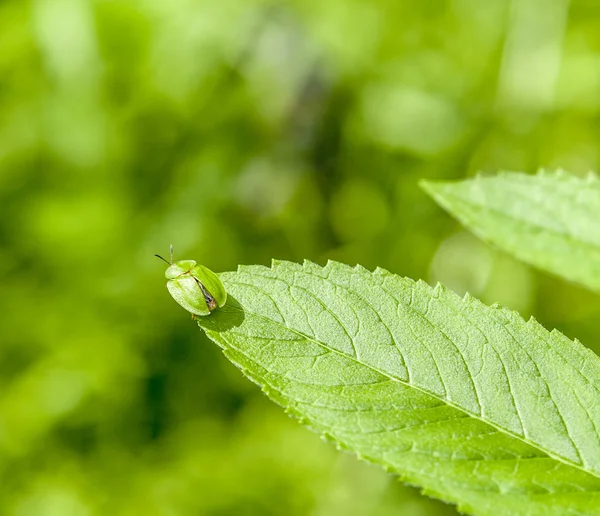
[467, 299]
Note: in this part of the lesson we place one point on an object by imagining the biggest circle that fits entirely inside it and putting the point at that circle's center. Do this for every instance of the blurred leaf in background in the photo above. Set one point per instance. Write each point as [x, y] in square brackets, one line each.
[242, 131]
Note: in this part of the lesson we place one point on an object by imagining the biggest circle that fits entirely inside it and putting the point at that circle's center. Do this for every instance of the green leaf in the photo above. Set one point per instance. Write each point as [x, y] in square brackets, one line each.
[550, 220]
[471, 402]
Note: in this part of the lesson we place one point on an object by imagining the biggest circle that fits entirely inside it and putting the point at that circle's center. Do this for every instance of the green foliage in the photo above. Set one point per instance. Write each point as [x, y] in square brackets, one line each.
[471, 402]
[551, 221]
[241, 130]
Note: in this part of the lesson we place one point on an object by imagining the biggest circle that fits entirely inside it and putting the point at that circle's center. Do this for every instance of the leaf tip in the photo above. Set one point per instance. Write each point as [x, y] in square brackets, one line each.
[438, 289]
[425, 184]
[329, 264]
[591, 177]
[275, 263]
[433, 188]
[360, 269]
[380, 271]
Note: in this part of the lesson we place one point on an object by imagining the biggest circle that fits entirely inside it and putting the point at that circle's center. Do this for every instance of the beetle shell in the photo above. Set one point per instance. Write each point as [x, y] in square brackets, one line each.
[195, 287]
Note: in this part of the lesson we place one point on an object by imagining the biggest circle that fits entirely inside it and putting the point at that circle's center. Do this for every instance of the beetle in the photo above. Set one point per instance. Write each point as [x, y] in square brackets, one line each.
[195, 287]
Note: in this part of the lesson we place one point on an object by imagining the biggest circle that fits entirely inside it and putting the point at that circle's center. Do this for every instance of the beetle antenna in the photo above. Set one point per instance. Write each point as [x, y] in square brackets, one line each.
[171, 249]
[159, 256]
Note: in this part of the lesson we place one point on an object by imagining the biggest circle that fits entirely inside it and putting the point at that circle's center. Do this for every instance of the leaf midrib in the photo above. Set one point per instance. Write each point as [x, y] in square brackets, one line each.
[410, 385]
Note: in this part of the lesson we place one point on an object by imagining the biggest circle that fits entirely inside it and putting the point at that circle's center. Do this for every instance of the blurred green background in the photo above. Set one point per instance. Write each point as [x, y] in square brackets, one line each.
[241, 131]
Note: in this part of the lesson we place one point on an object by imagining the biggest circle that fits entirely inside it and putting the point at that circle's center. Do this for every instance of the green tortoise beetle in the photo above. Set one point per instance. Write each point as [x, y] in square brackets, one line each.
[195, 287]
